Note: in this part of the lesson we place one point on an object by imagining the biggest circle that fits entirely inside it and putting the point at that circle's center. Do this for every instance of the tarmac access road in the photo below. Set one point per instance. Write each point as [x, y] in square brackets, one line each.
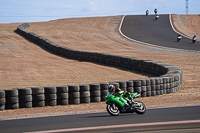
[176, 119]
[147, 29]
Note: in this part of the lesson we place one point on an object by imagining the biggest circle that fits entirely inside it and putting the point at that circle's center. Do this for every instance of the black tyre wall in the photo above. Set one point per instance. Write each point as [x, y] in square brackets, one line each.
[62, 95]
[2, 100]
[50, 96]
[74, 94]
[84, 93]
[25, 97]
[104, 90]
[12, 100]
[38, 96]
[95, 92]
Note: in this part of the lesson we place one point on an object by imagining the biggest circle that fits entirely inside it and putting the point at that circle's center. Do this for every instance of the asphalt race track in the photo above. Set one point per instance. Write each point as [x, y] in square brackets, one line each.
[156, 32]
[104, 119]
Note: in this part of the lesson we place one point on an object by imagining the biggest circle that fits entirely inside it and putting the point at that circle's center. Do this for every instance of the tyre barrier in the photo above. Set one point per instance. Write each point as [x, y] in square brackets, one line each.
[12, 100]
[62, 95]
[130, 86]
[25, 97]
[168, 79]
[122, 85]
[74, 94]
[95, 92]
[2, 100]
[50, 96]
[104, 91]
[38, 96]
[84, 93]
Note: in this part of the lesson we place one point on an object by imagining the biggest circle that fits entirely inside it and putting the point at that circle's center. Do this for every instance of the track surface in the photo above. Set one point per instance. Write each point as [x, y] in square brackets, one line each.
[103, 119]
[156, 32]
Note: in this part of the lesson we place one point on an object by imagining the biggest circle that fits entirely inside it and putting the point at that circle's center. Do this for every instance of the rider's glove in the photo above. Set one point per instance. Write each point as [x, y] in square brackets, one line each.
[127, 93]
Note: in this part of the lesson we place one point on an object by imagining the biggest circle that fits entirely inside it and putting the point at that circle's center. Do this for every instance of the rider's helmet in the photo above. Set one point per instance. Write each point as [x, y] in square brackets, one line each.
[194, 37]
[111, 88]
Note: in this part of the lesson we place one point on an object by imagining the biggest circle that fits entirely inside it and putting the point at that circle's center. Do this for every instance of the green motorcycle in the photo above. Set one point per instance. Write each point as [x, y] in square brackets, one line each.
[117, 104]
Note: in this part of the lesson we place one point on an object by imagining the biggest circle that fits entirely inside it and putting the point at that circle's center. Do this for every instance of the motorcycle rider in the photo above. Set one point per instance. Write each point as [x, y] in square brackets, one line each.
[194, 39]
[157, 16]
[147, 12]
[155, 11]
[179, 37]
[118, 91]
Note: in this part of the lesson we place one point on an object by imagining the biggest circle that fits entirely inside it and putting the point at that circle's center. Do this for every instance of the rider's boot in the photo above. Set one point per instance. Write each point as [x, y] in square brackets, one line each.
[125, 107]
[131, 100]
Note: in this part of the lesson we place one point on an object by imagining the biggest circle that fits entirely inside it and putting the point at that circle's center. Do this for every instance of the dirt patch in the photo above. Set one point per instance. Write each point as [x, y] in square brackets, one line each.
[28, 65]
[24, 64]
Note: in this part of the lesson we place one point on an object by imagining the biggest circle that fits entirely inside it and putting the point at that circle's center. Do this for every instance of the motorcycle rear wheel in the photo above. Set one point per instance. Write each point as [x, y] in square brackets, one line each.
[140, 107]
[112, 109]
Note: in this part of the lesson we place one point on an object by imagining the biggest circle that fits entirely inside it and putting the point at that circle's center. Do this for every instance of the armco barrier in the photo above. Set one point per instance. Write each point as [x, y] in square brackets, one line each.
[168, 79]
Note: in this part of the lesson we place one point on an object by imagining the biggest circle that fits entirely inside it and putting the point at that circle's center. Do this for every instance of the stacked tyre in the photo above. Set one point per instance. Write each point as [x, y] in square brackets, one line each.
[161, 86]
[137, 86]
[2, 100]
[12, 100]
[50, 96]
[153, 86]
[122, 85]
[168, 85]
[130, 86]
[84, 93]
[25, 97]
[104, 91]
[74, 94]
[148, 87]
[143, 88]
[38, 96]
[62, 95]
[177, 82]
[157, 83]
[164, 85]
[173, 84]
[95, 93]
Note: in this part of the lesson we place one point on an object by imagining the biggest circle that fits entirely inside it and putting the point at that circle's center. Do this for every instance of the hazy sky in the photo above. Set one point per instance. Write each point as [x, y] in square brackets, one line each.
[12, 11]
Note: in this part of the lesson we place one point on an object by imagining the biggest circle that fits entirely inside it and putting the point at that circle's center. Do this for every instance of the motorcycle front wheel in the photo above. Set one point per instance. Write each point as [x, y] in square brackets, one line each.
[139, 107]
[112, 109]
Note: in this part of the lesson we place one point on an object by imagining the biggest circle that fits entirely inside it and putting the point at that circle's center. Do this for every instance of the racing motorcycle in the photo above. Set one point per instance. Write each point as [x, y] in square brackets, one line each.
[117, 104]
[179, 38]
